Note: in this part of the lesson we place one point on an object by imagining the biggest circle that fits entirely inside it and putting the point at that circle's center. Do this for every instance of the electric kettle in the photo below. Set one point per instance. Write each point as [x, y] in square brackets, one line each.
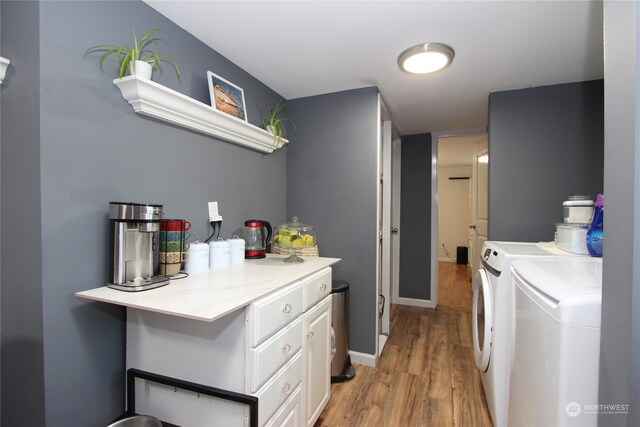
[257, 235]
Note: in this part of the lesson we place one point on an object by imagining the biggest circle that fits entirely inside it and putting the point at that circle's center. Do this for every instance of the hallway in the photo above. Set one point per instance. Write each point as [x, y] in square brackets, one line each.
[454, 286]
[426, 376]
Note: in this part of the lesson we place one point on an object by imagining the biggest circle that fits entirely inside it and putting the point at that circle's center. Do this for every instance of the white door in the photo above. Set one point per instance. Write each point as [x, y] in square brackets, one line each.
[482, 319]
[479, 204]
[396, 148]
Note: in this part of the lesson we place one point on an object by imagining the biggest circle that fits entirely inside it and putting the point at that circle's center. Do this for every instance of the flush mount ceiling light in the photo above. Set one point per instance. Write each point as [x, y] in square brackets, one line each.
[425, 58]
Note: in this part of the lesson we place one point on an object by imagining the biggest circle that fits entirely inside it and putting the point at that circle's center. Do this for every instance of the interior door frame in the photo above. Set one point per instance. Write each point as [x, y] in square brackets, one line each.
[386, 225]
[435, 136]
[387, 133]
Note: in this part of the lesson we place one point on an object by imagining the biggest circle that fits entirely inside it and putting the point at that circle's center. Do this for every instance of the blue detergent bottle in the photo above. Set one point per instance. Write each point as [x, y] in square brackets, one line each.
[595, 234]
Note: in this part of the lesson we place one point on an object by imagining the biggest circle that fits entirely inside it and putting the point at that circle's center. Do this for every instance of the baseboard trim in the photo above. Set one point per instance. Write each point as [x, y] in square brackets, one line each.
[416, 302]
[443, 259]
[382, 340]
[363, 358]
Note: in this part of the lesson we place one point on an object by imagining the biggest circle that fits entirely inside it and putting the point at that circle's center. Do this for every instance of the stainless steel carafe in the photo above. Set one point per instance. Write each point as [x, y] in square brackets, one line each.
[133, 234]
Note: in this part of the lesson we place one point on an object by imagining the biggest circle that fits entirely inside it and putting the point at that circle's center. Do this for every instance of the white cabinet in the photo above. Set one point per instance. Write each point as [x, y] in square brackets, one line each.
[279, 388]
[265, 360]
[317, 363]
[290, 415]
[316, 287]
[317, 344]
[274, 338]
[277, 348]
[271, 312]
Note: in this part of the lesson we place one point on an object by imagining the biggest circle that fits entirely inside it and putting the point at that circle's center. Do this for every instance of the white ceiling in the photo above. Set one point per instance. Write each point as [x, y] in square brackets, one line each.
[304, 48]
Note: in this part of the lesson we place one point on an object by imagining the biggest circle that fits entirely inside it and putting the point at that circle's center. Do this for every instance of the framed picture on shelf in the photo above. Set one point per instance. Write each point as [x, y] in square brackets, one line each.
[226, 97]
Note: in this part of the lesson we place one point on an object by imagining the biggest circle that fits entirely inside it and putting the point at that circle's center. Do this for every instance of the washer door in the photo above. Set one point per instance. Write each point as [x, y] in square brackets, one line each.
[482, 319]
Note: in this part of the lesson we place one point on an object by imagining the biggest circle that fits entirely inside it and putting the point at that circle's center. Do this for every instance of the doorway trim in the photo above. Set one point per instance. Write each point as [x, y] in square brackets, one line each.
[435, 136]
[387, 132]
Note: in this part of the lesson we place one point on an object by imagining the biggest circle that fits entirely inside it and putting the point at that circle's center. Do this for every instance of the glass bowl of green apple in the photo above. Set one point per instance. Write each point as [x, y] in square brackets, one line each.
[294, 236]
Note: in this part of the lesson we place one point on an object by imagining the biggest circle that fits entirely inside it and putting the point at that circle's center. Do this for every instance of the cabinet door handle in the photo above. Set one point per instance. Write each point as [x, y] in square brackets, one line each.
[310, 335]
[286, 309]
[323, 287]
[286, 387]
[286, 348]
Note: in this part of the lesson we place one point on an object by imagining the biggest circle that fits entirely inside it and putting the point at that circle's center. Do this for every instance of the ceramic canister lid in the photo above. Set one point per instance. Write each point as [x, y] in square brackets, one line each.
[219, 244]
[236, 241]
[580, 200]
[198, 246]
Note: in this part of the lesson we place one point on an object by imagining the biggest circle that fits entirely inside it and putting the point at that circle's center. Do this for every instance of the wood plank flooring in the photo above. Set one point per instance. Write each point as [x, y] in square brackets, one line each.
[426, 375]
[454, 286]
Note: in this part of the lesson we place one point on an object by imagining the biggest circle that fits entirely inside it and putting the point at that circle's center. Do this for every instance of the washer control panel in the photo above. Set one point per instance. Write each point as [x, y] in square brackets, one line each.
[497, 256]
[492, 256]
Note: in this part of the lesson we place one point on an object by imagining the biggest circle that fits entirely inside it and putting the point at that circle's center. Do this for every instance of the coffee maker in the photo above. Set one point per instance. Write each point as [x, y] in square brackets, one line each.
[133, 234]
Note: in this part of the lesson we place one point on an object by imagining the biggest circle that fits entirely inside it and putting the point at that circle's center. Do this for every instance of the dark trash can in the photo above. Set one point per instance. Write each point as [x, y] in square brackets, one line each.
[462, 255]
[341, 367]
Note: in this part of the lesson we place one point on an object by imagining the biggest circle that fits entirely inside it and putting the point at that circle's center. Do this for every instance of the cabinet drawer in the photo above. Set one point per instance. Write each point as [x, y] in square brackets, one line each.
[316, 287]
[279, 388]
[274, 352]
[290, 414]
[272, 312]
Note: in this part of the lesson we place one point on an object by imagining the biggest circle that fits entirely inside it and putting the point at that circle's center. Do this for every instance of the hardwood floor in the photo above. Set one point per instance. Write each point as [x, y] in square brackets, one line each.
[426, 376]
[454, 286]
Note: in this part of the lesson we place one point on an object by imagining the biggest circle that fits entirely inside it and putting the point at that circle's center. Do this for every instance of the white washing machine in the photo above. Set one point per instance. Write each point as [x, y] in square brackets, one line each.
[492, 325]
[554, 376]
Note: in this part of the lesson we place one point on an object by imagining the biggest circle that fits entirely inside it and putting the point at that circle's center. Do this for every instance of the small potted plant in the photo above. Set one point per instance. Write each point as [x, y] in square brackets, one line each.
[138, 60]
[274, 124]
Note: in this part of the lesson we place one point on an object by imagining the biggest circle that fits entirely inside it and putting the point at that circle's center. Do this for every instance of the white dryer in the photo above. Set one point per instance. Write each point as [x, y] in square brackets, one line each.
[492, 324]
[554, 378]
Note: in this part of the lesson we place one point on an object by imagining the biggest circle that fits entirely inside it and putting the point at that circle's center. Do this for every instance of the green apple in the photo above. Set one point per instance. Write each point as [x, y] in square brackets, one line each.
[283, 232]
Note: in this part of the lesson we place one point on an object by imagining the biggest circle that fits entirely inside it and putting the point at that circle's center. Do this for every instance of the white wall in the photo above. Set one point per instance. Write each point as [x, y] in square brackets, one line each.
[454, 211]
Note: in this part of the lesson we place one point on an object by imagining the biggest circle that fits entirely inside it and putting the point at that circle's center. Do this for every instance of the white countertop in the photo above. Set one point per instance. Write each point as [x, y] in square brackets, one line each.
[210, 295]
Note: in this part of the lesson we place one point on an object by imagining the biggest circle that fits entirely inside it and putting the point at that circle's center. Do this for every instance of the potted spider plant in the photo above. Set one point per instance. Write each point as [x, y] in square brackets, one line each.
[138, 59]
[274, 124]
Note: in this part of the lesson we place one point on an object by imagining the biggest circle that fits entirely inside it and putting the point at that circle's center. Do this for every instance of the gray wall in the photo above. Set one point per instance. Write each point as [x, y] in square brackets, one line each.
[620, 334]
[415, 217]
[331, 184]
[545, 143]
[0, 224]
[22, 366]
[71, 144]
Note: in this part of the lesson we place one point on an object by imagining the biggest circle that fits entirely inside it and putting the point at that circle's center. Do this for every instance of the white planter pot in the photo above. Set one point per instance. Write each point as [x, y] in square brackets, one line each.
[4, 63]
[270, 130]
[141, 69]
[277, 139]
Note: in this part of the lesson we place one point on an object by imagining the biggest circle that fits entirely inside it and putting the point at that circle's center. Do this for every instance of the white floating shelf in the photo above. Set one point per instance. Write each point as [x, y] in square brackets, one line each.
[152, 99]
